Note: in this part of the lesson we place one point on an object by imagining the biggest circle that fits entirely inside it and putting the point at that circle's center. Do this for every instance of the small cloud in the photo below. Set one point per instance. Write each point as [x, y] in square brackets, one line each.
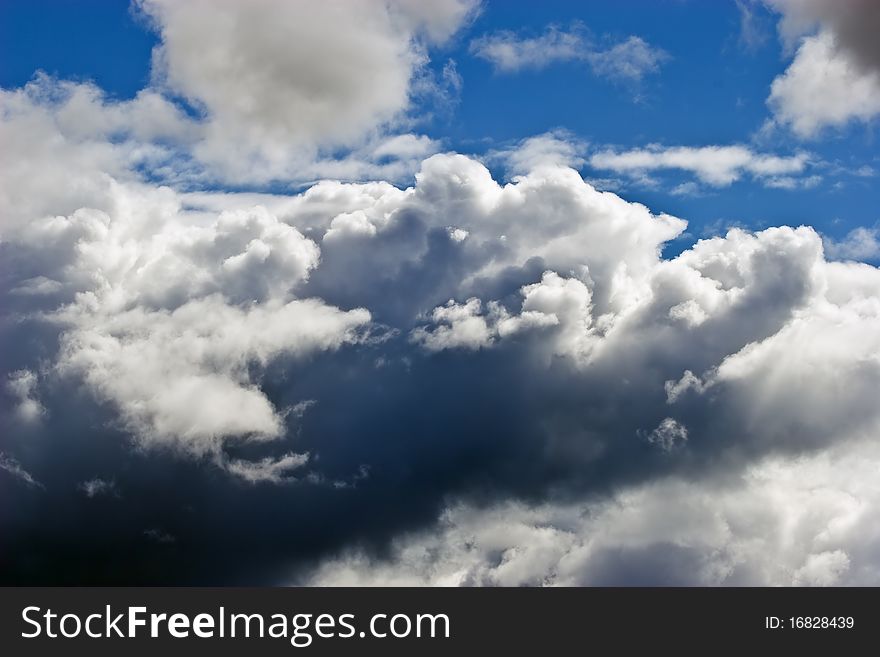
[753, 29]
[554, 148]
[22, 384]
[268, 470]
[631, 59]
[859, 244]
[718, 166]
[158, 536]
[10, 465]
[792, 183]
[97, 486]
[687, 189]
[668, 435]
[38, 286]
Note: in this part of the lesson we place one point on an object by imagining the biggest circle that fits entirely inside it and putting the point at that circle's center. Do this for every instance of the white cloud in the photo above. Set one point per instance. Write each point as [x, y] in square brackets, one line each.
[64, 143]
[718, 166]
[555, 148]
[823, 88]
[630, 59]
[835, 76]
[509, 52]
[859, 244]
[278, 88]
[668, 435]
[268, 470]
[22, 385]
[172, 311]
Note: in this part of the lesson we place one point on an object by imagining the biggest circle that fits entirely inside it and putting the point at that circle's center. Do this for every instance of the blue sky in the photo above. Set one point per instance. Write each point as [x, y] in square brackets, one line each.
[710, 90]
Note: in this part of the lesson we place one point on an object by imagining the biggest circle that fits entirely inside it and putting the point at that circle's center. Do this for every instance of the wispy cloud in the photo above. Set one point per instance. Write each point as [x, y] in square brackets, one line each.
[508, 52]
[717, 166]
[10, 465]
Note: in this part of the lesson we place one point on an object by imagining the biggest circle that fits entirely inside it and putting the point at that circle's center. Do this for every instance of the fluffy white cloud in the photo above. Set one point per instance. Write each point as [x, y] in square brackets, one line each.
[835, 76]
[822, 87]
[714, 165]
[277, 87]
[630, 59]
[171, 311]
[64, 143]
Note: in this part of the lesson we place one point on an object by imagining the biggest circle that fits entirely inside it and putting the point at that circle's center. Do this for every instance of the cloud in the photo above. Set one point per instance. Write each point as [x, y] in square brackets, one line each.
[835, 76]
[277, 88]
[572, 357]
[822, 88]
[22, 385]
[554, 148]
[752, 30]
[630, 59]
[668, 435]
[854, 25]
[509, 52]
[717, 166]
[64, 142]
[11, 466]
[782, 522]
[859, 244]
[96, 487]
[269, 469]
[167, 316]
[515, 363]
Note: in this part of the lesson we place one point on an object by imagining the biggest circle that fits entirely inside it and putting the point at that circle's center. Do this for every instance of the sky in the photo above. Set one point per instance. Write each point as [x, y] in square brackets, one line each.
[459, 293]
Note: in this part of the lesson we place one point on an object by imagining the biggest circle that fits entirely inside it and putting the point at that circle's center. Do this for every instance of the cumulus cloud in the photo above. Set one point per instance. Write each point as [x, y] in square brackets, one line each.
[630, 59]
[64, 142]
[823, 88]
[277, 88]
[717, 166]
[519, 338]
[835, 76]
[170, 326]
